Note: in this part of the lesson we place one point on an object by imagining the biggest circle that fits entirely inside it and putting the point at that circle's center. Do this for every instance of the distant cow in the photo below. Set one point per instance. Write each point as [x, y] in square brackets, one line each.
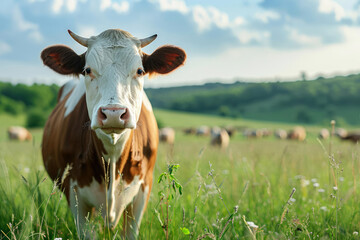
[231, 131]
[352, 137]
[265, 132]
[103, 131]
[220, 138]
[203, 131]
[280, 134]
[324, 133]
[253, 133]
[167, 135]
[19, 133]
[189, 131]
[298, 133]
[341, 132]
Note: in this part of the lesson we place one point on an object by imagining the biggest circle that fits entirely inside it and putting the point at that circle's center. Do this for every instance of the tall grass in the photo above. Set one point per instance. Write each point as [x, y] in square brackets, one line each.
[242, 193]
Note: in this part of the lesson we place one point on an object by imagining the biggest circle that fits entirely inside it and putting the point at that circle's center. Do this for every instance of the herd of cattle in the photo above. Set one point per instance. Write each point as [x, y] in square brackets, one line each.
[220, 136]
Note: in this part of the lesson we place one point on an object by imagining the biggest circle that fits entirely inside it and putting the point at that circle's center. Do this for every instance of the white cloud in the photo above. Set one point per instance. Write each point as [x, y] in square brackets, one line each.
[205, 18]
[122, 7]
[331, 6]
[266, 16]
[303, 39]
[57, 5]
[87, 31]
[220, 19]
[21, 23]
[202, 18]
[71, 5]
[239, 21]
[26, 26]
[172, 5]
[246, 36]
[4, 48]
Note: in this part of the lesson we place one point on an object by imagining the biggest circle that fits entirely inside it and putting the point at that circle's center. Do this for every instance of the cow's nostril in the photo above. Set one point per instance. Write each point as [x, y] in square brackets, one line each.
[125, 115]
[101, 114]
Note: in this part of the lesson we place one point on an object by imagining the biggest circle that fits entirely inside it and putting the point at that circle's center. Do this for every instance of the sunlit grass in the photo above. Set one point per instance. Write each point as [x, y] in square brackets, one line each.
[223, 192]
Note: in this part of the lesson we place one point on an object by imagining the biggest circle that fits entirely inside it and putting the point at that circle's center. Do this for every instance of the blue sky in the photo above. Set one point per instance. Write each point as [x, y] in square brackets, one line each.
[245, 39]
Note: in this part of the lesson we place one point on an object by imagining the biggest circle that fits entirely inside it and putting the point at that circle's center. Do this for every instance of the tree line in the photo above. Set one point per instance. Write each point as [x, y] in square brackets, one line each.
[309, 102]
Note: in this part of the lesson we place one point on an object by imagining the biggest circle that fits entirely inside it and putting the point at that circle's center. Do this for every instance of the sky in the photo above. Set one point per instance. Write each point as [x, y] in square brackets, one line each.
[227, 40]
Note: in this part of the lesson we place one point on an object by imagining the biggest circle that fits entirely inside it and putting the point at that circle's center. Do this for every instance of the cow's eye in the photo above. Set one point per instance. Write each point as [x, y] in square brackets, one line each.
[88, 71]
[140, 72]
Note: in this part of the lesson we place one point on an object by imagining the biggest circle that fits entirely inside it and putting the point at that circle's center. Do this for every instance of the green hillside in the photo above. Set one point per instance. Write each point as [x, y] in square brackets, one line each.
[301, 102]
[306, 102]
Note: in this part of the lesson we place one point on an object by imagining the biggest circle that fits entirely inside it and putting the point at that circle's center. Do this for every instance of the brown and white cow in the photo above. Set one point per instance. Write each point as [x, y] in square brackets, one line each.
[19, 133]
[104, 123]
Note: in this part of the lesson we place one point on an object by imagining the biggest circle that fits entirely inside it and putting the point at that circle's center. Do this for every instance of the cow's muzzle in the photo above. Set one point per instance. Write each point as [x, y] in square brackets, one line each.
[113, 118]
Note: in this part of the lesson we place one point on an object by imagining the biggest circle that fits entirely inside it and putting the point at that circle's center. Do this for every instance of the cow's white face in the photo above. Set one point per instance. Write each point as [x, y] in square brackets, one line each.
[113, 67]
[114, 82]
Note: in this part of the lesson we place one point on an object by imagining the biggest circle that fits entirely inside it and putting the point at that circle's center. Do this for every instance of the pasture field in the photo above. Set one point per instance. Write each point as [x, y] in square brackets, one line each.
[256, 189]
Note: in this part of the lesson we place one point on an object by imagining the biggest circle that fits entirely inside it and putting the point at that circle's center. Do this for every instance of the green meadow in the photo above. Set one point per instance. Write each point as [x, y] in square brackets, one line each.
[256, 189]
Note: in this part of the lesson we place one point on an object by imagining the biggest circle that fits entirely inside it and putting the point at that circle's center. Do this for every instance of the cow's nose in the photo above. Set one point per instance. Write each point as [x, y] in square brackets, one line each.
[113, 116]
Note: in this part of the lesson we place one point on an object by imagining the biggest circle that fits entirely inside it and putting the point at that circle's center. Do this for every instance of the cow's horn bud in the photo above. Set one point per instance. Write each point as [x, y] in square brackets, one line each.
[147, 41]
[83, 41]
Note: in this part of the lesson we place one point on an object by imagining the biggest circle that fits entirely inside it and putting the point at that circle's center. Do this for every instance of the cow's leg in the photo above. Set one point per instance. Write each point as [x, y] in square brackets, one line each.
[134, 213]
[80, 211]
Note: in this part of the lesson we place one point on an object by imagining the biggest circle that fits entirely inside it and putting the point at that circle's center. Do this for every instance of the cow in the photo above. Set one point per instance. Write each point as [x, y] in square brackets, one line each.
[19, 133]
[297, 133]
[167, 135]
[203, 131]
[280, 134]
[101, 139]
[341, 132]
[253, 133]
[351, 136]
[324, 133]
[220, 138]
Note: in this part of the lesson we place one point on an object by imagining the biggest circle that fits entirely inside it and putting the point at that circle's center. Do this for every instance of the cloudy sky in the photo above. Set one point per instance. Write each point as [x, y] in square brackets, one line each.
[245, 39]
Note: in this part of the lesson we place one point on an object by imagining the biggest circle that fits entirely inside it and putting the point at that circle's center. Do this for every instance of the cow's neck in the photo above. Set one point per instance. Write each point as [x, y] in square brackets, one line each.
[114, 159]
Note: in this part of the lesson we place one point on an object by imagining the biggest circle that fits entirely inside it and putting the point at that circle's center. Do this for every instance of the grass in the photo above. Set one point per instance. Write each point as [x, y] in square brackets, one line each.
[242, 193]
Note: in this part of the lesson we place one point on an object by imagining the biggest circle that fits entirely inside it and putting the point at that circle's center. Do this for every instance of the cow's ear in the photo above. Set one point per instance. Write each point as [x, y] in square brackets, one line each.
[63, 60]
[164, 60]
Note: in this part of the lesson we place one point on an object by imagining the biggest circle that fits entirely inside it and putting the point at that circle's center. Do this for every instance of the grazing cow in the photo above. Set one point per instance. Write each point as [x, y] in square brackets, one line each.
[341, 132]
[220, 138]
[104, 130]
[167, 135]
[189, 131]
[297, 133]
[253, 133]
[231, 131]
[324, 133]
[281, 134]
[203, 131]
[352, 137]
[19, 133]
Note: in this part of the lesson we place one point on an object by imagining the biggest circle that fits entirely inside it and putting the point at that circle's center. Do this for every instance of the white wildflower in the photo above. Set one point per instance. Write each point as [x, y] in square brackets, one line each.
[292, 200]
[341, 179]
[252, 225]
[58, 239]
[321, 190]
[314, 180]
[26, 170]
[323, 208]
[316, 185]
[304, 182]
[355, 233]
[335, 188]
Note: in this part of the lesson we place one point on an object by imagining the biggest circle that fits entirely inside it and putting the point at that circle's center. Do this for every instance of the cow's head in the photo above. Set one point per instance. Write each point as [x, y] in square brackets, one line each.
[113, 67]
